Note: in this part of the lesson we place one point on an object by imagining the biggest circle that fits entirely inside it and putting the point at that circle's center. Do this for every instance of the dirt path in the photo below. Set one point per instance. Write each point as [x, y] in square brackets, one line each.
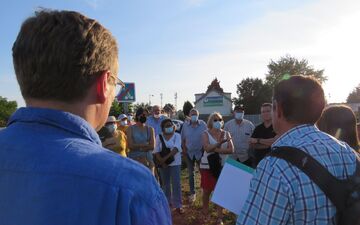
[193, 214]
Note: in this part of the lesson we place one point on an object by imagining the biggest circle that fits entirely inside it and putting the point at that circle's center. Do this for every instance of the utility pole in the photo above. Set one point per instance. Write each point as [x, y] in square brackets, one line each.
[161, 98]
[150, 95]
[176, 96]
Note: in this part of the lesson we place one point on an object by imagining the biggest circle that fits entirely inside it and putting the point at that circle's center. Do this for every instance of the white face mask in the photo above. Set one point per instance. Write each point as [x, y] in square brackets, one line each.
[239, 115]
[129, 118]
[217, 125]
[123, 123]
[157, 116]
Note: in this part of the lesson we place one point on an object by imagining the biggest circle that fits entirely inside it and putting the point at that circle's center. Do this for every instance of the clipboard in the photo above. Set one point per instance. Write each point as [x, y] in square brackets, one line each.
[232, 187]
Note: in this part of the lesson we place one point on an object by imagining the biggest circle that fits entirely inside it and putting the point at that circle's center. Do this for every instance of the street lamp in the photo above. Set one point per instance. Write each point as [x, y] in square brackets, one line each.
[150, 99]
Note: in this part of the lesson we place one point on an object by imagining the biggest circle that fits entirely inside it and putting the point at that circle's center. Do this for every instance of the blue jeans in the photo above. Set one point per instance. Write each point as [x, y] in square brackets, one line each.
[190, 163]
[170, 177]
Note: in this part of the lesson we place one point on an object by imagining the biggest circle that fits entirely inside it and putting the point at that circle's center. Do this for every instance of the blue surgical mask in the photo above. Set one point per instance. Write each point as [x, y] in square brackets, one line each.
[217, 125]
[194, 118]
[169, 130]
[111, 127]
[239, 115]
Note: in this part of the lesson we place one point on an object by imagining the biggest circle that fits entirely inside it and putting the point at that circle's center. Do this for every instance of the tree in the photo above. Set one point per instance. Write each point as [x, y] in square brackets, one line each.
[7, 108]
[169, 108]
[354, 96]
[252, 93]
[116, 109]
[187, 107]
[288, 66]
[142, 105]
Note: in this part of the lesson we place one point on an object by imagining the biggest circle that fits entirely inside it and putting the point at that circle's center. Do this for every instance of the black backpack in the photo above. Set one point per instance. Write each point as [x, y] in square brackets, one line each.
[344, 194]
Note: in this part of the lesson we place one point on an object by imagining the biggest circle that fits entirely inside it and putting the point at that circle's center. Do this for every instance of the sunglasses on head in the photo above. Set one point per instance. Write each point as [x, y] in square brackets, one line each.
[215, 120]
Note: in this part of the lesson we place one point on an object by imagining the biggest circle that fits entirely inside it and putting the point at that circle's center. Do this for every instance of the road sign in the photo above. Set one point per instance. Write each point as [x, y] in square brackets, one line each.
[127, 94]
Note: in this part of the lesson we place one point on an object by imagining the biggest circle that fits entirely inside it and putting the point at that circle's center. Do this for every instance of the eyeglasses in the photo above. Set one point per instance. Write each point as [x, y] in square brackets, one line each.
[215, 120]
[118, 84]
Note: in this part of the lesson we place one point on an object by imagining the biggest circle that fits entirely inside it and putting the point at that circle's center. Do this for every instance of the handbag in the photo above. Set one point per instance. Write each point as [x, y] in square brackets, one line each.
[164, 152]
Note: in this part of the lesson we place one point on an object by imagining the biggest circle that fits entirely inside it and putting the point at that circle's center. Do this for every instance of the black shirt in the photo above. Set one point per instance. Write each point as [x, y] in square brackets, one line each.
[263, 133]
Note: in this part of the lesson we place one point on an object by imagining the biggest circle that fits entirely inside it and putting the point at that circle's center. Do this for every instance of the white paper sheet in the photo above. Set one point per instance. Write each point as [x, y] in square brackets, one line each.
[232, 187]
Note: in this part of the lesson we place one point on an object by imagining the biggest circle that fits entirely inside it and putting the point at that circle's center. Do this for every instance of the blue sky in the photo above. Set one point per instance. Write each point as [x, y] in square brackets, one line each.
[169, 46]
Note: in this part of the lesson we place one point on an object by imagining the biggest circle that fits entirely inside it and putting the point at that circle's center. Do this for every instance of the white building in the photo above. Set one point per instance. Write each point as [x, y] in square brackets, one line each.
[214, 100]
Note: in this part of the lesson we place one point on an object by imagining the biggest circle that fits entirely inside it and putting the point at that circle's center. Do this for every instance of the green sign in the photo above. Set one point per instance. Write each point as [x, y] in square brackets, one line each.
[213, 101]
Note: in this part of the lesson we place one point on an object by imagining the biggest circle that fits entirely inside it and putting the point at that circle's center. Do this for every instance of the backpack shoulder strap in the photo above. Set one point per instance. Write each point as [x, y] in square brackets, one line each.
[330, 185]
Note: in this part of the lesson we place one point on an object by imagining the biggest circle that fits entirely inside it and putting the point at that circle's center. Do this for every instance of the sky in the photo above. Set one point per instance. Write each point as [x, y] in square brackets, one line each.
[180, 46]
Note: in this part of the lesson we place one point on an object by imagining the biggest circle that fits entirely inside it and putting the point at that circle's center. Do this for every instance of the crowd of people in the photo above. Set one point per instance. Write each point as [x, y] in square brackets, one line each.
[56, 166]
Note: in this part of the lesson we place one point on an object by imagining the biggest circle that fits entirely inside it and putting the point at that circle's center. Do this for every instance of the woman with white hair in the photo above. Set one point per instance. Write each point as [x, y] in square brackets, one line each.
[217, 143]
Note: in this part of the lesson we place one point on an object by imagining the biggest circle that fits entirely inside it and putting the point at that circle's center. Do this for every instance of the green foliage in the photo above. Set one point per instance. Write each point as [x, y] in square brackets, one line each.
[169, 108]
[181, 115]
[288, 66]
[252, 93]
[187, 107]
[354, 96]
[142, 105]
[116, 109]
[6, 109]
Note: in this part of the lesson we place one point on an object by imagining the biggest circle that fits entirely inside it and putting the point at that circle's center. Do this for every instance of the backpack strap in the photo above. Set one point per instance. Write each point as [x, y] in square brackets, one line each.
[330, 185]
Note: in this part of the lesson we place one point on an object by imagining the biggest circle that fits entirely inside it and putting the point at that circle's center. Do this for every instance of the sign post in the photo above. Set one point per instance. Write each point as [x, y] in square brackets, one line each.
[126, 96]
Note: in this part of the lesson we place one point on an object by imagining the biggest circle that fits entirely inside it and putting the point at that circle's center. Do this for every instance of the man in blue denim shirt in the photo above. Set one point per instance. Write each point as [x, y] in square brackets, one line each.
[53, 169]
[191, 134]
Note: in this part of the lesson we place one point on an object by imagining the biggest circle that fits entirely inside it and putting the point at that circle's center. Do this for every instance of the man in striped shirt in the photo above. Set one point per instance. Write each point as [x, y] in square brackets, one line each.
[279, 192]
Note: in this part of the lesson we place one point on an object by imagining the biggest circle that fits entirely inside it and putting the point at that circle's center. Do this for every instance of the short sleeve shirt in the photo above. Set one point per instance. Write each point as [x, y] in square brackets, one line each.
[240, 134]
[173, 142]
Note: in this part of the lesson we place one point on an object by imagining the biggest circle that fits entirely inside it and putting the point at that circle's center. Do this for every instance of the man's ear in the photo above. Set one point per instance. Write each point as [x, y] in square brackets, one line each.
[102, 87]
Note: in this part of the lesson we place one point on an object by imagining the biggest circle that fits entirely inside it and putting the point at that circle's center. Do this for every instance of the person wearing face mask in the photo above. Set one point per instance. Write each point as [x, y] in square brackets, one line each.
[155, 119]
[170, 169]
[240, 130]
[215, 141]
[117, 141]
[192, 146]
[141, 140]
[123, 123]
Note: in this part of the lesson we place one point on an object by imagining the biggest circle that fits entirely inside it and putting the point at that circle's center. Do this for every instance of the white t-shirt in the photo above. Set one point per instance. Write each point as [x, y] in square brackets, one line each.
[204, 164]
[173, 142]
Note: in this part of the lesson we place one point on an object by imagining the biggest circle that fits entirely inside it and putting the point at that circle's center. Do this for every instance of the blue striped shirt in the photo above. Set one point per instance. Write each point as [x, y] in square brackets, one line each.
[282, 194]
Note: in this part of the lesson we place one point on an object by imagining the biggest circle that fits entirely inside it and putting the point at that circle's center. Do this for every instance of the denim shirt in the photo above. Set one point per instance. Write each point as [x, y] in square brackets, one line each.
[155, 123]
[53, 170]
[193, 138]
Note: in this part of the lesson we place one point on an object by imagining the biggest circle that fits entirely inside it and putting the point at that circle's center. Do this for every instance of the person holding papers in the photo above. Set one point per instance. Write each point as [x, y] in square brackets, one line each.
[216, 141]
